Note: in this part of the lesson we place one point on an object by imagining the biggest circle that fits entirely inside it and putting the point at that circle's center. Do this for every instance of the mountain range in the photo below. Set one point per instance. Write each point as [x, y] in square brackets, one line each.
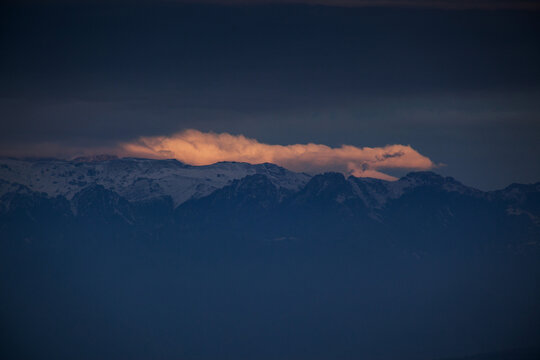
[141, 258]
[266, 201]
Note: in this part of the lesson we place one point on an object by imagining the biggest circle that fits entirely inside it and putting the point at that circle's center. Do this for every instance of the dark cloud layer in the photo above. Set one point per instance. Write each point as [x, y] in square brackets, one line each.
[462, 87]
[435, 4]
[438, 4]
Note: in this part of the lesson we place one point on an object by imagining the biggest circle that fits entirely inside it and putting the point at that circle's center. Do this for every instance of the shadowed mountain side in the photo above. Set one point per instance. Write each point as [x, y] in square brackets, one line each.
[422, 212]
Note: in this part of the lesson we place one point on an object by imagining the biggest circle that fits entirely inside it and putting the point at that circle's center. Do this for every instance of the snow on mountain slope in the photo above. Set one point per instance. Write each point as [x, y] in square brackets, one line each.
[133, 178]
[375, 193]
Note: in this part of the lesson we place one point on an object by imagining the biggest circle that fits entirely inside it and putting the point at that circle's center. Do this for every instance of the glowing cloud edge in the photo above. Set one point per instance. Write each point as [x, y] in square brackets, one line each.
[204, 148]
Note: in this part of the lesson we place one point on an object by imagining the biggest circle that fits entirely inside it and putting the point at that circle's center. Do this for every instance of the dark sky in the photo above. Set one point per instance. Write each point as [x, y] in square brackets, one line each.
[462, 86]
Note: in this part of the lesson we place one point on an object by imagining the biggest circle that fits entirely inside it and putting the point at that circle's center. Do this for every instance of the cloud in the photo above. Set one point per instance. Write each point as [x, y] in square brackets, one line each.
[198, 148]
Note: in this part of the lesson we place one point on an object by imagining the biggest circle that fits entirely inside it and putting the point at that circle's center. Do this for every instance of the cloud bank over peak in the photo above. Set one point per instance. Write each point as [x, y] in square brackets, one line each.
[198, 148]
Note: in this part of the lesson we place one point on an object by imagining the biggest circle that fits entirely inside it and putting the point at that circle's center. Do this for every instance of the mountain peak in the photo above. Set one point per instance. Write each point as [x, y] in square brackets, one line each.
[137, 178]
[429, 178]
[328, 185]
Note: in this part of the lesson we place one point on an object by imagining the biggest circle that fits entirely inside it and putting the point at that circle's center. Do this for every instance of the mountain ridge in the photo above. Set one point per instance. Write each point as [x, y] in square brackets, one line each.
[140, 178]
[341, 259]
[269, 201]
[136, 178]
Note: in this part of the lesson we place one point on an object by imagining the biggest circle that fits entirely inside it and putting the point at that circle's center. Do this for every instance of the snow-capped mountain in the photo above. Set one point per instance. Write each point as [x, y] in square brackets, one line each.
[136, 179]
[376, 193]
[233, 232]
[133, 178]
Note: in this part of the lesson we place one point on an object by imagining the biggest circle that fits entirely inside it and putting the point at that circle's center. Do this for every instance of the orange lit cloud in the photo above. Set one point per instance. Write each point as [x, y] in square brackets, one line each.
[197, 148]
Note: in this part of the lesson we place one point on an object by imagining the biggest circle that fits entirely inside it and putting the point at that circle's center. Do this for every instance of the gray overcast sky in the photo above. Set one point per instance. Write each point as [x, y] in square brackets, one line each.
[462, 86]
